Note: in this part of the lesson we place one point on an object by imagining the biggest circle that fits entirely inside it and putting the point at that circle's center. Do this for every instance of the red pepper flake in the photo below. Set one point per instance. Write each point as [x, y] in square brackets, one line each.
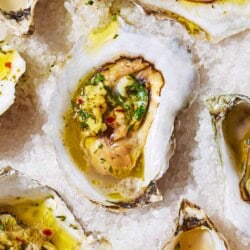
[120, 110]
[110, 119]
[8, 65]
[47, 232]
[20, 240]
[80, 101]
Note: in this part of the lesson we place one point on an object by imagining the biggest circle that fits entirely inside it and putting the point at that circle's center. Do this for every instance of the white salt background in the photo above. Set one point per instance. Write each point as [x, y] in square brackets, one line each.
[194, 172]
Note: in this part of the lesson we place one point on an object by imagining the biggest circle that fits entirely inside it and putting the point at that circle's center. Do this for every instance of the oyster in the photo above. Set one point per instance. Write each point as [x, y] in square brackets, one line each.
[35, 217]
[195, 231]
[12, 66]
[231, 121]
[18, 15]
[206, 19]
[113, 112]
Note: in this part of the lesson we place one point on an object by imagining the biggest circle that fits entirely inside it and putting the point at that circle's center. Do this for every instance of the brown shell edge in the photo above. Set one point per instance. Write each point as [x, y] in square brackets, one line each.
[20, 15]
[190, 223]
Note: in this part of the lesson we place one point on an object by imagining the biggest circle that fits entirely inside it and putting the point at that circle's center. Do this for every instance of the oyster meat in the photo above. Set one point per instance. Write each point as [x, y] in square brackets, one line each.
[214, 20]
[35, 217]
[195, 231]
[18, 15]
[12, 67]
[231, 121]
[113, 112]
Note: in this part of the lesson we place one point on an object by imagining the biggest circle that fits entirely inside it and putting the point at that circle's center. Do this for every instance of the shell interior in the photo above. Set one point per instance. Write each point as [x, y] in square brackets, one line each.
[231, 121]
[12, 67]
[40, 212]
[214, 20]
[174, 67]
[195, 231]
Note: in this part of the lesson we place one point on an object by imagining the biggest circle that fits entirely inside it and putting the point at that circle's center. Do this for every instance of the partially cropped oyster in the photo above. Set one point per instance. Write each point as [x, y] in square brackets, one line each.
[12, 66]
[214, 20]
[231, 121]
[195, 231]
[113, 114]
[18, 15]
[35, 217]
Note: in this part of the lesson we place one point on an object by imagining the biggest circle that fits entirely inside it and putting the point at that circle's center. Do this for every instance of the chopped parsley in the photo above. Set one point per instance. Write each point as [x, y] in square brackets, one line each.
[100, 107]
[73, 226]
[61, 217]
[2, 228]
[248, 141]
[97, 79]
[90, 2]
[140, 112]
[139, 95]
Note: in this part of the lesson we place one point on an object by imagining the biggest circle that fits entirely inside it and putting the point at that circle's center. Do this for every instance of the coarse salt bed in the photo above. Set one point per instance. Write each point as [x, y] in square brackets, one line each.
[194, 172]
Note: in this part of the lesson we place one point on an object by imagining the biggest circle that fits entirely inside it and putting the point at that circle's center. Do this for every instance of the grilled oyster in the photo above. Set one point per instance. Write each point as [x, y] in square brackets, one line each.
[210, 19]
[115, 140]
[35, 217]
[12, 66]
[195, 231]
[231, 121]
[18, 15]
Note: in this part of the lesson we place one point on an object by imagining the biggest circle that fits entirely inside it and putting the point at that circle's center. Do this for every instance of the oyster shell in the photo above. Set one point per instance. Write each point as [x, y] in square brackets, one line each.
[125, 98]
[12, 67]
[18, 15]
[35, 216]
[214, 20]
[195, 231]
[231, 121]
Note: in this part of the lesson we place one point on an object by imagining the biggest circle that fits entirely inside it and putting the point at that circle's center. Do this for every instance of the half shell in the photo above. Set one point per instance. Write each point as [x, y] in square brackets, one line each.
[195, 231]
[125, 56]
[18, 15]
[40, 212]
[12, 67]
[213, 20]
[231, 121]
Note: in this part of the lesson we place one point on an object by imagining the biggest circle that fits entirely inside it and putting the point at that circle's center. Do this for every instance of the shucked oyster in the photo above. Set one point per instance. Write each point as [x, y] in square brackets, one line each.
[12, 66]
[35, 217]
[195, 231]
[18, 15]
[231, 121]
[113, 113]
[211, 19]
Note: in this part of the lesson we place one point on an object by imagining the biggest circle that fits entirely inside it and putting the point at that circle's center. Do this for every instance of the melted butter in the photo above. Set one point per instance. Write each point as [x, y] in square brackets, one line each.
[236, 129]
[37, 215]
[101, 35]
[71, 136]
[192, 28]
[116, 196]
[196, 239]
[6, 59]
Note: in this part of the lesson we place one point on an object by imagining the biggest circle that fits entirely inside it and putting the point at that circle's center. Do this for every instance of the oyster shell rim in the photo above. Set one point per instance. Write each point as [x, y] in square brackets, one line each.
[188, 58]
[186, 222]
[88, 237]
[20, 15]
[217, 114]
[199, 32]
